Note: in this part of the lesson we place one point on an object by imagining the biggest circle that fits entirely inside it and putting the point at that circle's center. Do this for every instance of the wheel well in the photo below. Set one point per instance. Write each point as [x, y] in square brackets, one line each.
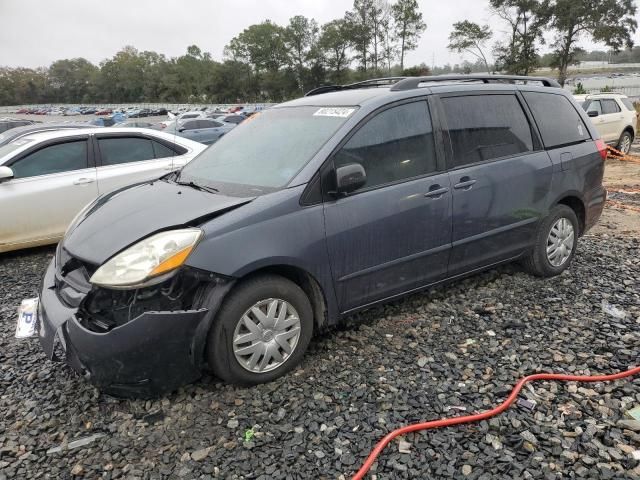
[630, 130]
[575, 204]
[307, 283]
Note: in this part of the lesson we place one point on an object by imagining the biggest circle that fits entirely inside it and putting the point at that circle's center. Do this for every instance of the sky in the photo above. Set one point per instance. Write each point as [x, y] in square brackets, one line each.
[35, 33]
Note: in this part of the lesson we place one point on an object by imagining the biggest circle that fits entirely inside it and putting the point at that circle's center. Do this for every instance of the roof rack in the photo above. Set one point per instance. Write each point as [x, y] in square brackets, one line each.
[372, 82]
[410, 83]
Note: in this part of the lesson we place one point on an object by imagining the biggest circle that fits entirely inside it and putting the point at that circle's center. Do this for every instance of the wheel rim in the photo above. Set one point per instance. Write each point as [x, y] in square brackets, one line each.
[266, 335]
[625, 144]
[560, 242]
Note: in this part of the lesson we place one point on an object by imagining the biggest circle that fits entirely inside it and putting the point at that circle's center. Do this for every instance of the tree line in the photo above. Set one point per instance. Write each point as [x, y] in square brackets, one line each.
[264, 62]
[528, 25]
[267, 62]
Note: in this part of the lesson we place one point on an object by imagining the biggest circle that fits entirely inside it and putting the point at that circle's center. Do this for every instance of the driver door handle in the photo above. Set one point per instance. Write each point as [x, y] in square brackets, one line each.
[465, 183]
[83, 181]
[436, 191]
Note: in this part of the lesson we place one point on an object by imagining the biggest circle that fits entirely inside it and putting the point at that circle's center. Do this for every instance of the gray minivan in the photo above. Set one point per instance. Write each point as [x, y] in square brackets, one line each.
[312, 210]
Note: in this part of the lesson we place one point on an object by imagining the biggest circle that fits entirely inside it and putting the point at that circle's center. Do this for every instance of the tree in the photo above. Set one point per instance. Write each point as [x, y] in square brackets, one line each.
[360, 29]
[408, 24]
[334, 43]
[301, 37]
[261, 45]
[527, 20]
[470, 37]
[388, 41]
[73, 80]
[610, 22]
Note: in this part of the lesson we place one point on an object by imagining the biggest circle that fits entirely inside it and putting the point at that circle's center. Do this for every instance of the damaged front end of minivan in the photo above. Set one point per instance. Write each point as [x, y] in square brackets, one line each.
[128, 342]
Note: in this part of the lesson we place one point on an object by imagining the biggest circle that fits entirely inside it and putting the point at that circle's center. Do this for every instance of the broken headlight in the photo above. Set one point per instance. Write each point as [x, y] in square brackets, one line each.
[151, 258]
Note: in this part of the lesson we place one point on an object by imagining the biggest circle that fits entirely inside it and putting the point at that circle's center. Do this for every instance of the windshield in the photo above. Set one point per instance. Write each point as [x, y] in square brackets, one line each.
[267, 150]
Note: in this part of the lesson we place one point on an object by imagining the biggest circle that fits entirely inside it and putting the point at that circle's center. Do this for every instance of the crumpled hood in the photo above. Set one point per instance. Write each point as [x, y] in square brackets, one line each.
[124, 217]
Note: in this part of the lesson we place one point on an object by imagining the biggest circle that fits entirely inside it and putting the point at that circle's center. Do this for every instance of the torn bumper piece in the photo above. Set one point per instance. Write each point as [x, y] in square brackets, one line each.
[149, 355]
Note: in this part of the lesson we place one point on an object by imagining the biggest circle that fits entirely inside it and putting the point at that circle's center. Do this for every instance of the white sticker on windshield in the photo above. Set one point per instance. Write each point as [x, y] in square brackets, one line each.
[334, 112]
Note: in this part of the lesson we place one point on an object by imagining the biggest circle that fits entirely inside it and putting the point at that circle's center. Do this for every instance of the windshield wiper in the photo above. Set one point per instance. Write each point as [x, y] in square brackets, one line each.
[202, 188]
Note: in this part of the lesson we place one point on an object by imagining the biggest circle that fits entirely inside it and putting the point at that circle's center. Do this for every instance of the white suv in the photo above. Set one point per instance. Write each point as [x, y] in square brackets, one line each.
[614, 117]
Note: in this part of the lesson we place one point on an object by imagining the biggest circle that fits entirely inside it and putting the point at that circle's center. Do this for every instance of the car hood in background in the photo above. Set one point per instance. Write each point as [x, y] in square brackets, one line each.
[126, 216]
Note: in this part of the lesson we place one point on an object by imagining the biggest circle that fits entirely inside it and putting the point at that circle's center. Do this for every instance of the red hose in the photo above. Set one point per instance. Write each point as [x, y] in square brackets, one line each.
[447, 422]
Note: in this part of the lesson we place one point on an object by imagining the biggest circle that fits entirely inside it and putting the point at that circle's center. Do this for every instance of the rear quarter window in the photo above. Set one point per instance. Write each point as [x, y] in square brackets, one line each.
[628, 104]
[558, 120]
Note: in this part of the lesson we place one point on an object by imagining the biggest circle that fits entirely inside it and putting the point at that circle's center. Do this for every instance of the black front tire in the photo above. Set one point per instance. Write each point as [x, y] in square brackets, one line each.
[220, 354]
[536, 261]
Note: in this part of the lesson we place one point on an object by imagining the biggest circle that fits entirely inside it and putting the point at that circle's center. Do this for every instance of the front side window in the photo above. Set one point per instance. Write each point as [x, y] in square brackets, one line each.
[62, 157]
[394, 145]
[267, 152]
[486, 127]
[595, 106]
[117, 150]
[558, 120]
[610, 106]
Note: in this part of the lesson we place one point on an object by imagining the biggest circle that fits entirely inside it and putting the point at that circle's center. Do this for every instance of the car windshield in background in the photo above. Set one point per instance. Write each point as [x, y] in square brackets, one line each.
[267, 150]
[10, 147]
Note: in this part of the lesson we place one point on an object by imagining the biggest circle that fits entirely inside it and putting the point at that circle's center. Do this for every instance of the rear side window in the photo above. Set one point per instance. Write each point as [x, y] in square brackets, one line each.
[610, 106]
[628, 104]
[208, 124]
[485, 127]
[114, 151]
[63, 157]
[191, 125]
[394, 145]
[558, 121]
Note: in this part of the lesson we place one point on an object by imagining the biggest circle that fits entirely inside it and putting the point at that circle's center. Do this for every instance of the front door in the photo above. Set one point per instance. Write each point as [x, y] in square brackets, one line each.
[50, 186]
[394, 234]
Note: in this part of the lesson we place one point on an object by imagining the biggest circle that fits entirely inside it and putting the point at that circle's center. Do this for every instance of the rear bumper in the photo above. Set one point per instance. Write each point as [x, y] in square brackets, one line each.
[152, 354]
[594, 206]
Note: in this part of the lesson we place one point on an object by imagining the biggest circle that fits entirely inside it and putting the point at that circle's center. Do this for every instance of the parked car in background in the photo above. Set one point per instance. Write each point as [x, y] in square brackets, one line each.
[614, 117]
[19, 132]
[134, 124]
[203, 130]
[70, 112]
[47, 177]
[191, 115]
[318, 208]
[234, 118]
[104, 111]
[9, 123]
[159, 111]
[145, 112]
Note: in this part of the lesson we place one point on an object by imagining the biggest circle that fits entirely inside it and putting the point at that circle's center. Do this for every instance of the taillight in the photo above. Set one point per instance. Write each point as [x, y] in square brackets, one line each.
[602, 148]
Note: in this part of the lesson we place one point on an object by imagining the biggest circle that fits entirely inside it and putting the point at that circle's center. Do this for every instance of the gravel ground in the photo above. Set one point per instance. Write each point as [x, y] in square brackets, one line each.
[464, 346]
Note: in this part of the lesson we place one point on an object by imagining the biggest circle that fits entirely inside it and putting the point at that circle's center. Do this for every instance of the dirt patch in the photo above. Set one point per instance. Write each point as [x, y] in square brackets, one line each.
[622, 211]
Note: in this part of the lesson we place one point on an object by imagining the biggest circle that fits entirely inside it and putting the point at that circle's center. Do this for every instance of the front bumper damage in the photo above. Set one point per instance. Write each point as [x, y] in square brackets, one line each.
[148, 354]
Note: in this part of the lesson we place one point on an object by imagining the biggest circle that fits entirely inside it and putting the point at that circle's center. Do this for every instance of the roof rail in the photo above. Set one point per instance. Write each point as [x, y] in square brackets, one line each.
[372, 82]
[414, 82]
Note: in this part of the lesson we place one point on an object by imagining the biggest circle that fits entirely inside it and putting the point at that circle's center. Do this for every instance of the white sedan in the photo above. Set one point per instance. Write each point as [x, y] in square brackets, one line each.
[47, 177]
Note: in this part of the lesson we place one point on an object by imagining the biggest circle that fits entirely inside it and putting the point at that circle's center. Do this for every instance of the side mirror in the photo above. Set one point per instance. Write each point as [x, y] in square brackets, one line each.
[5, 174]
[181, 129]
[593, 113]
[350, 178]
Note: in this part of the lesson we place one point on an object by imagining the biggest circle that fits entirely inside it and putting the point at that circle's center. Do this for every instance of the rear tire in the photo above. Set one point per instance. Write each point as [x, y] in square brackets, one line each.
[555, 245]
[624, 144]
[261, 331]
